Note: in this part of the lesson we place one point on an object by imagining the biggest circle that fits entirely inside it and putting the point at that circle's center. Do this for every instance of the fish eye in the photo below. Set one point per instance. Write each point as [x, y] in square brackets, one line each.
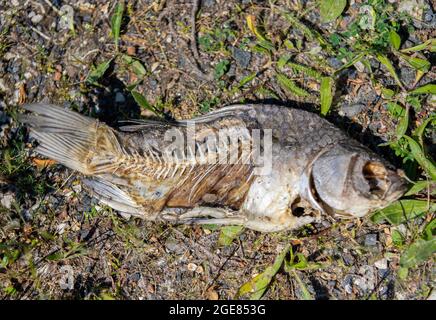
[375, 175]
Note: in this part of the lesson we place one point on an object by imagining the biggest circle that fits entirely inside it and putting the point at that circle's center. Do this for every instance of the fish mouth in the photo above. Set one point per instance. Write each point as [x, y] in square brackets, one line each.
[397, 188]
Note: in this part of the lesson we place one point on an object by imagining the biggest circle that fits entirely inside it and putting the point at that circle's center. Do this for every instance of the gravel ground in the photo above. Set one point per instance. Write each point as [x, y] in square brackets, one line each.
[61, 243]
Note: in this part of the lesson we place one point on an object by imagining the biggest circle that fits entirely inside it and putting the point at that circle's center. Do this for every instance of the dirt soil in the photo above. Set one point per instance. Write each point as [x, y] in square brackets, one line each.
[63, 244]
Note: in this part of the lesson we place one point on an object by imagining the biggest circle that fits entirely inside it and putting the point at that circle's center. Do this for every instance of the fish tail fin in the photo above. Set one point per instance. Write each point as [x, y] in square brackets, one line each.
[68, 137]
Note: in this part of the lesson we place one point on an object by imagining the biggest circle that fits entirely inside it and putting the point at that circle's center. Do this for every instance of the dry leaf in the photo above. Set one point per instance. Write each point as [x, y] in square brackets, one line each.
[211, 294]
[22, 94]
[43, 163]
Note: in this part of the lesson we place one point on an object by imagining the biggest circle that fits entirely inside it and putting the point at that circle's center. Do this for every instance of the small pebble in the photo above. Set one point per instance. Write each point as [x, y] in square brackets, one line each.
[334, 62]
[173, 246]
[192, 267]
[131, 50]
[7, 200]
[77, 188]
[83, 234]
[208, 3]
[57, 76]
[351, 110]
[37, 19]
[9, 56]
[135, 277]
[3, 87]
[199, 269]
[381, 264]
[61, 228]
[348, 259]
[370, 239]
[241, 57]
[428, 17]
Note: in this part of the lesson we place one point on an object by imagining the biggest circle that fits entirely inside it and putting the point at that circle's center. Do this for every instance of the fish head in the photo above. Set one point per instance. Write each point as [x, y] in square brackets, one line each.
[350, 181]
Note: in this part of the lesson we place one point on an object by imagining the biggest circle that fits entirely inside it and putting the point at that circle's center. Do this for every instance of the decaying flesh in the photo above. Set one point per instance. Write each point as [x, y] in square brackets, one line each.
[315, 167]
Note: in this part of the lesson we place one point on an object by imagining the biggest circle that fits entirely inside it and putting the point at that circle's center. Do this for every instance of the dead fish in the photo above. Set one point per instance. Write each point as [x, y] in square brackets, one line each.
[266, 167]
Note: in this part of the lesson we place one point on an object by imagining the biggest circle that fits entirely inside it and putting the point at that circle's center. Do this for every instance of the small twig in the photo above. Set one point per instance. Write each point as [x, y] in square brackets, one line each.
[41, 7]
[41, 34]
[53, 7]
[89, 52]
[195, 69]
[194, 49]
[193, 66]
[161, 5]
[378, 284]
[200, 247]
[219, 270]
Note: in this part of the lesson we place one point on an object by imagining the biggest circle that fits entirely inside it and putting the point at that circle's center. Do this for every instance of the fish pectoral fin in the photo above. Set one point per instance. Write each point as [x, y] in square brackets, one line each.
[204, 215]
[235, 221]
[113, 196]
[207, 211]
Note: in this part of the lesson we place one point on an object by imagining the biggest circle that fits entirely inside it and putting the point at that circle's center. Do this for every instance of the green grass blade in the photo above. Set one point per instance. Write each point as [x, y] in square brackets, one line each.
[430, 45]
[135, 65]
[418, 252]
[291, 86]
[309, 33]
[357, 58]
[305, 293]
[419, 156]
[402, 210]
[326, 92]
[403, 124]
[425, 89]
[419, 186]
[305, 70]
[97, 72]
[258, 285]
[247, 79]
[419, 131]
[143, 103]
[387, 63]
[417, 63]
[228, 234]
[116, 20]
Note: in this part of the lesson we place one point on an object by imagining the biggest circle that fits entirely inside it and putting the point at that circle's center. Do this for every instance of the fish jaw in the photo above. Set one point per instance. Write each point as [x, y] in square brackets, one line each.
[349, 181]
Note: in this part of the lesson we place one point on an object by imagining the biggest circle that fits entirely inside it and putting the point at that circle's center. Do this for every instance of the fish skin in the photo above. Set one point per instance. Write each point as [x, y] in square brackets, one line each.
[315, 166]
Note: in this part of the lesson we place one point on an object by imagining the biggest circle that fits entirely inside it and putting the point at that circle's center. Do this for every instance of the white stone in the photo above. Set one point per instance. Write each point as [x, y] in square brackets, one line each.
[7, 200]
[66, 21]
[77, 188]
[37, 18]
[192, 266]
[3, 87]
[8, 56]
[381, 264]
[61, 228]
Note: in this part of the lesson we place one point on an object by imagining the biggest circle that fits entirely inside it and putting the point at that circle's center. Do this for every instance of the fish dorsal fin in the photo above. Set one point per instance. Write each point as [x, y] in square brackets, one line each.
[145, 124]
